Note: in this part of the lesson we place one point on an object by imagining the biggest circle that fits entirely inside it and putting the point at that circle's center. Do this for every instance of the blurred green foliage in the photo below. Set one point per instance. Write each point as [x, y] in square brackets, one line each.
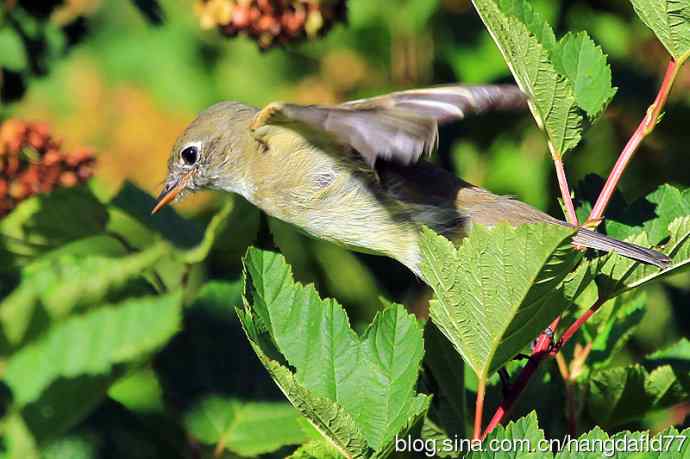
[126, 83]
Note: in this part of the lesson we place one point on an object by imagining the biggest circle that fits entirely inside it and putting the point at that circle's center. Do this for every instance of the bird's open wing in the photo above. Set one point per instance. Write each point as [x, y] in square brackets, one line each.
[401, 126]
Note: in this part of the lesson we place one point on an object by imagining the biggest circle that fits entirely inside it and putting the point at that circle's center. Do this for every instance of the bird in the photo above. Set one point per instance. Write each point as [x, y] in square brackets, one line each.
[358, 174]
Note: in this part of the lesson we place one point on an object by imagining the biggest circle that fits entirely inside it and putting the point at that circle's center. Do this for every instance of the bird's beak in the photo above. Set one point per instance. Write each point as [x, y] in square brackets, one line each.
[170, 192]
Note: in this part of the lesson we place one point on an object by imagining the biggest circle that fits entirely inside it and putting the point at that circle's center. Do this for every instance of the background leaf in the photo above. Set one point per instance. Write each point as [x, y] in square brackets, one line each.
[92, 343]
[243, 427]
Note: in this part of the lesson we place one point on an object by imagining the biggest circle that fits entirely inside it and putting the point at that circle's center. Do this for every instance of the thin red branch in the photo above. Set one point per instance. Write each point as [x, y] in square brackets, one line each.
[565, 192]
[543, 348]
[575, 326]
[539, 353]
[479, 408]
[645, 128]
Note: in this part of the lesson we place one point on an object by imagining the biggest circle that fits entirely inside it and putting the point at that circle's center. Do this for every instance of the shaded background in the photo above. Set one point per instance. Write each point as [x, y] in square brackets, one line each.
[125, 80]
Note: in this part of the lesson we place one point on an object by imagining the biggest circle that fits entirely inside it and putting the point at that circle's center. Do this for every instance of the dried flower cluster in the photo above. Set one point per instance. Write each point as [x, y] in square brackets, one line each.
[31, 162]
[270, 22]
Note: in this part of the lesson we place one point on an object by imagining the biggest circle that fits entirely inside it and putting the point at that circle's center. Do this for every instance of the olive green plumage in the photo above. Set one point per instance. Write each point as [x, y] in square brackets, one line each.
[351, 174]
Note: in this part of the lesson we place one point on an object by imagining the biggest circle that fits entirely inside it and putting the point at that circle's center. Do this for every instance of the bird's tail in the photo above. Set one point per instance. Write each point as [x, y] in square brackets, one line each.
[598, 241]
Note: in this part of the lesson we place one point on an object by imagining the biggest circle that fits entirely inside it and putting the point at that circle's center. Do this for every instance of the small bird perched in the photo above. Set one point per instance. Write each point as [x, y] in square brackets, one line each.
[352, 173]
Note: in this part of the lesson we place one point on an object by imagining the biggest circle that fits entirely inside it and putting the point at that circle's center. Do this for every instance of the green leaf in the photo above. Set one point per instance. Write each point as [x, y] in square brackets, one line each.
[445, 366]
[71, 446]
[677, 356]
[140, 391]
[621, 274]
[580, 60]
[242, 427]
[670, 22]
[523, 430]
[597, 443]
[612, 326]
[499, 289]
[653, 214]
[551, 96]
[315, 449]
[45, 222]
[130, 212]
[12, 52]
[135, 206]
[64, 404]
[358, 391]
[92, 343]
[533, 20]
[61, 284]
[214, 228]
[17, 439]
[625, 394]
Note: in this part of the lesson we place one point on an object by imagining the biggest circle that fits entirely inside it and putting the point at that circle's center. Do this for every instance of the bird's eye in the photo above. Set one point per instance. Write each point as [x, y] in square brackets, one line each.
[189, 155]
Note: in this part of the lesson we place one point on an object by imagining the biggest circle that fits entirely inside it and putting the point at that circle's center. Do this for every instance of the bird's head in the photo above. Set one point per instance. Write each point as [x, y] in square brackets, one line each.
[210, 153]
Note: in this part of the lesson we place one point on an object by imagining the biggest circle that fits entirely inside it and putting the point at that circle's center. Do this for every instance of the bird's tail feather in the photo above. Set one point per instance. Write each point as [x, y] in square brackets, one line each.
[598, 241]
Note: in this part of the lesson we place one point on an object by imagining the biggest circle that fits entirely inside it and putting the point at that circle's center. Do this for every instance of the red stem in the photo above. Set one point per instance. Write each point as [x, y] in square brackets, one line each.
[539, 353]
[643, 130]
[575, 326]
[543, 348]
[479, 408]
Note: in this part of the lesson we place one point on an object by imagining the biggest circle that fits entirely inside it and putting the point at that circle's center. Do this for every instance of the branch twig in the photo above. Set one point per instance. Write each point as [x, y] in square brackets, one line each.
[565, 191]
[539, 353]
[479, 408]
[643, 130]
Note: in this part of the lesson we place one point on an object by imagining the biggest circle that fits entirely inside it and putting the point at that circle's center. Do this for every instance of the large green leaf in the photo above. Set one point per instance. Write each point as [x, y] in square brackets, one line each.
[241, 427]
[551, 96]
[670, 21]
[358, 391]
[61, 283]
[499, 289]
[92, 343]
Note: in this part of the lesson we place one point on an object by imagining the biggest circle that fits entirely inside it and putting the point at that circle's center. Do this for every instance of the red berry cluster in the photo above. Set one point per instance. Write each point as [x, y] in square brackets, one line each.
[31, 162]
[270, 22]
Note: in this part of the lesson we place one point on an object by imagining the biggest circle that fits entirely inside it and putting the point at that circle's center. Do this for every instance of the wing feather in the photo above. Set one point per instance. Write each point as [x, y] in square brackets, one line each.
[401, 126]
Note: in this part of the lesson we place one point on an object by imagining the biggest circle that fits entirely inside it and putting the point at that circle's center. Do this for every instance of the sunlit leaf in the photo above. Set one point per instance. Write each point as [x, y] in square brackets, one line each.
[499, 289]
[358, 391]
[552, 99]
[584, 63]
[670, 21]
